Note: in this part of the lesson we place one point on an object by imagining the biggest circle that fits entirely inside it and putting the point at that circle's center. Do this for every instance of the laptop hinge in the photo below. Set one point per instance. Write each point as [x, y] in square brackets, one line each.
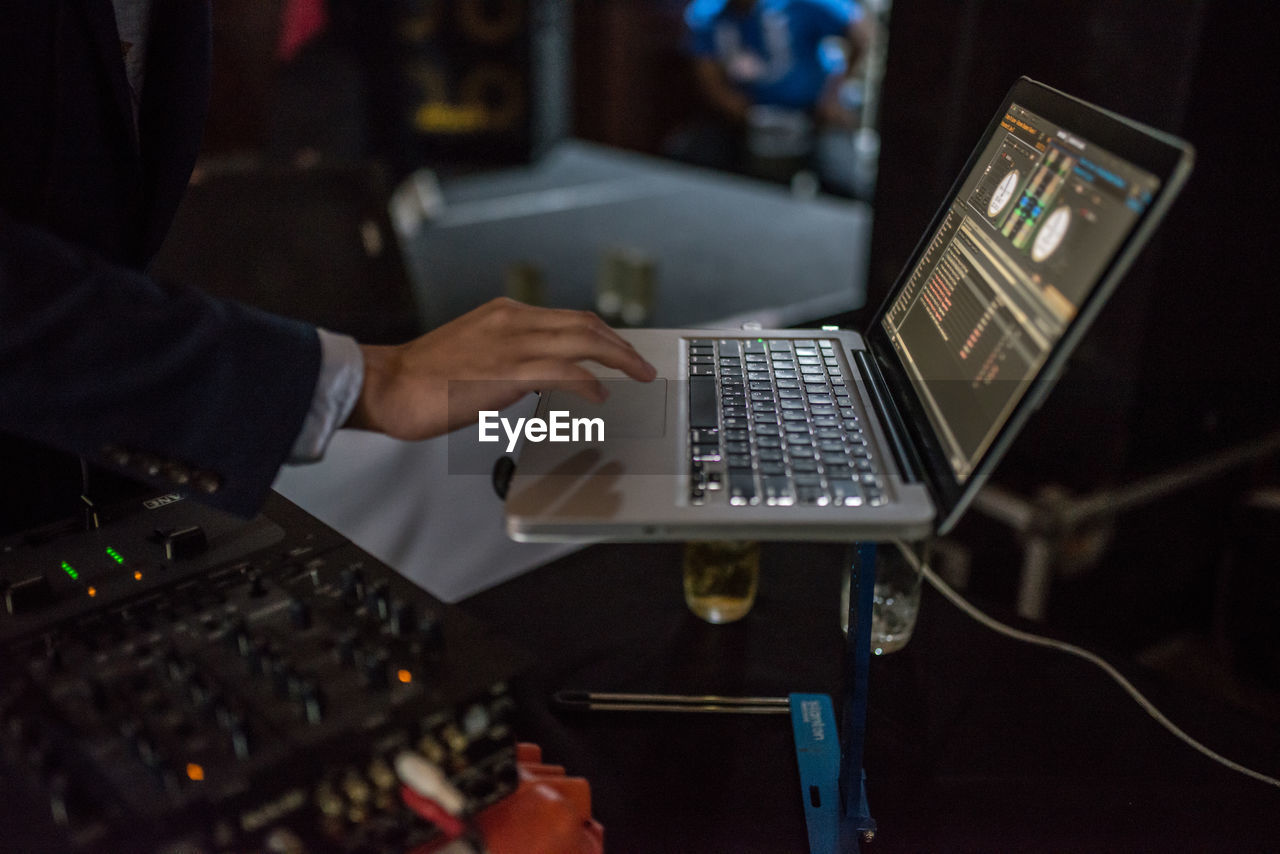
[890, 417]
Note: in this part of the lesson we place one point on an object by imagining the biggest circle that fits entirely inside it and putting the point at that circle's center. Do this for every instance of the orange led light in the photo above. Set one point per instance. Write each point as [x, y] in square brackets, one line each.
[404, 676]
[137, 575]
[93, 591]
[195, 772]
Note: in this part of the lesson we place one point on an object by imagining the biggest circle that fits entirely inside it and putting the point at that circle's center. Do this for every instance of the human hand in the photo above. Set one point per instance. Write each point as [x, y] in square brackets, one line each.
[486, 359]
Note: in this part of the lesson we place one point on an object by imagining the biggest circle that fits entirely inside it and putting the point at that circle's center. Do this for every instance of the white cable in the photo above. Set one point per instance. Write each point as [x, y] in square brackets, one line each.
[1037, 640]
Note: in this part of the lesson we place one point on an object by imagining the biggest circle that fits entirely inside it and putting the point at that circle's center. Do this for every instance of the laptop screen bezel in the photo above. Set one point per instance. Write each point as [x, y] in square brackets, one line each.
[1165, 156]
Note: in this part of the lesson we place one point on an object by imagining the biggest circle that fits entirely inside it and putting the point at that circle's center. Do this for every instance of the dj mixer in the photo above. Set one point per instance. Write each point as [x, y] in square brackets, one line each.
[176, 679]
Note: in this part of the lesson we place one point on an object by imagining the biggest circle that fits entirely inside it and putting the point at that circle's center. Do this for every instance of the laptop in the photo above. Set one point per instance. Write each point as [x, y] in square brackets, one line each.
[832, 434]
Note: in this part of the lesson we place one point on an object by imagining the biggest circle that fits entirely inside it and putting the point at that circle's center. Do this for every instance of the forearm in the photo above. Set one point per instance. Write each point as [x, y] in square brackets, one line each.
[379, 366]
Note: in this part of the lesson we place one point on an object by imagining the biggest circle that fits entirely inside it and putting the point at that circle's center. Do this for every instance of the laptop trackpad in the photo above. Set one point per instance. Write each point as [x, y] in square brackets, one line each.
[634, 410]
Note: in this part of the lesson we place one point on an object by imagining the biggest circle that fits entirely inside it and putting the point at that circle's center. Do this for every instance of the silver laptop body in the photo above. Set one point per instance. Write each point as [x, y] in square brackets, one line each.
[838, 435]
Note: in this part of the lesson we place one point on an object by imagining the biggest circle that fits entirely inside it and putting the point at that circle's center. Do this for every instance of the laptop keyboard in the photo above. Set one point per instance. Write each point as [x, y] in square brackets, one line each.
[773, 421]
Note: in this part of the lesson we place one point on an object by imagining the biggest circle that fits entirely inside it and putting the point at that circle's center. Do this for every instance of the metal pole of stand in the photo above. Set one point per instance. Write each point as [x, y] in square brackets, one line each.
[856, 824]
[832, 782]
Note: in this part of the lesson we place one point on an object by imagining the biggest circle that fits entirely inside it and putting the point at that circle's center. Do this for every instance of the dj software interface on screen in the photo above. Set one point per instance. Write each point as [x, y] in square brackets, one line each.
[1022, 244]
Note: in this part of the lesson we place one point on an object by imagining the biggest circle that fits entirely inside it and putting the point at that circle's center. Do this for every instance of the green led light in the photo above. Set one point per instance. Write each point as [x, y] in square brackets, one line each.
[114, 555]
[70, 570]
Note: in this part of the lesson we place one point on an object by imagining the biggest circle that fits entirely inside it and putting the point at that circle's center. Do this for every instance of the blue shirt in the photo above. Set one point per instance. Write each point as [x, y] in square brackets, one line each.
[773, 52]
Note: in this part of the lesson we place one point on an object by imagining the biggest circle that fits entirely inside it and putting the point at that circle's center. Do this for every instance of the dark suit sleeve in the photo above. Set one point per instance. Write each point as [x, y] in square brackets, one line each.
[163, 383]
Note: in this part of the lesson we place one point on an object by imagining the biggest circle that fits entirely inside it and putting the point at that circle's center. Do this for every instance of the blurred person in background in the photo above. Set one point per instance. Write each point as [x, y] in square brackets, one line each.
[779, 78]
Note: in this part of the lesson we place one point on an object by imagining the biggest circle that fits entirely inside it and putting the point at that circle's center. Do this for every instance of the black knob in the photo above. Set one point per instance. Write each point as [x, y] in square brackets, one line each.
[379, 600]
[279, 670]
[29, 594]
[167, 777]
[344, 647]
[260, 657]
[53, 657]
[237, 633]
[311, 703]
[299, 613]
[257, 587]
[430, 634]
[374, 668]
[286, 680]
[351, 585]
[59, 800]
[228, 718]
[40, 756]
[185, 543]
[96, 693]
[401, 618]
[240, 740]
[146, 749]
[199, 691]
[175, 666]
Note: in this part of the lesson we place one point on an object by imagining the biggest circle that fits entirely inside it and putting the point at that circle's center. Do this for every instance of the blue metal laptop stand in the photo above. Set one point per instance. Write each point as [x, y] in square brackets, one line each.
[832, 782]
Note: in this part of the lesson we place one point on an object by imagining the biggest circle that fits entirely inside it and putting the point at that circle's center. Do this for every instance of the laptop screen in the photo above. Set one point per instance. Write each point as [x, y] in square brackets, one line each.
[1036, 223]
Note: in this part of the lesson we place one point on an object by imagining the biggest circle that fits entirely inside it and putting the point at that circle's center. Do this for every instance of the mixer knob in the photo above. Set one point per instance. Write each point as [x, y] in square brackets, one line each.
[295, 683]
[401, 617]
[29, 594]
[257, 587]
[59, 799]
[237, 635]
[430, 635]
[260, 657]
[185, 543]
[96, 693]
[351, 584]
[282, 674]
[199, 691]
[311, 703]
[146, 749]
[40, 756]
[175, 667]
[374, 668]
[345, 647]
[53, 658]
[240, 740]
[228, 718]
[299, 613]
[379, 600]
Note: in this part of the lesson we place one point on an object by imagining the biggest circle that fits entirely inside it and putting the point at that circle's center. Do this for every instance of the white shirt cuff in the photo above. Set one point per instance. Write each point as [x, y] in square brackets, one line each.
[337, 389]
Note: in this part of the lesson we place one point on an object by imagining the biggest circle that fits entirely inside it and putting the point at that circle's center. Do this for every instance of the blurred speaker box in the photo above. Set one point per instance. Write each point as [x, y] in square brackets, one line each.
[480, 80]
[313, 243]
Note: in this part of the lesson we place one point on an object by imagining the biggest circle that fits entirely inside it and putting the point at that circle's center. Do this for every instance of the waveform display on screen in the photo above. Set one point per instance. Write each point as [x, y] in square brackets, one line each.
[1037, 196]
[1016, 253]
[1002, 181]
